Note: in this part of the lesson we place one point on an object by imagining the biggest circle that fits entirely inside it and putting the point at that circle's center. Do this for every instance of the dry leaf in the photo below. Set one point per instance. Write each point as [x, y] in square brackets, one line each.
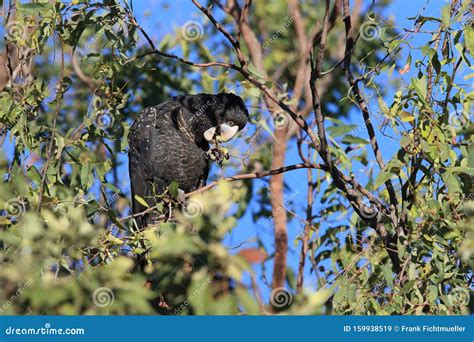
[253, 255]
[405, 69]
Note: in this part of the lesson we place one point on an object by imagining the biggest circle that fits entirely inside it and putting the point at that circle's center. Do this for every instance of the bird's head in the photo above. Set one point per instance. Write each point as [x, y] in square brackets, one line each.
[230, 116]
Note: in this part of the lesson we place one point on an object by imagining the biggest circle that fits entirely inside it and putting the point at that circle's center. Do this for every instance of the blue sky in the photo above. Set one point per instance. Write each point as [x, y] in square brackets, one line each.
[160, 18]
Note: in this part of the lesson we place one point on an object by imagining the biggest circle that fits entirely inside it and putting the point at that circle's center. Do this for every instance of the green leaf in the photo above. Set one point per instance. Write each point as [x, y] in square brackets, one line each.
[469, 39]
[351, 139]
[337, 131]
[382, 177]
[113, 188]
[406, 117]
[85, 172]
[115, 240]
[451, 182]
[432, 293]
[59, 145]
[248, 302]
[383, 107]
[446, 15]
[173, 189]
[141, 201]
[388, 274]
[34, 174]
[401, 248]
[419, 85]
[36, 7]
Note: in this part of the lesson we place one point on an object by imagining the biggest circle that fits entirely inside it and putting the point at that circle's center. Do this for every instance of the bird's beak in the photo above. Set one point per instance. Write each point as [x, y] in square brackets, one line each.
[227, 132]
[209, 134]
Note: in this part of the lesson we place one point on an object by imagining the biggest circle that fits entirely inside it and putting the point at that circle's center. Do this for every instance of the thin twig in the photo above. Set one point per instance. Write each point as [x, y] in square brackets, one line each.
[257, 175]
[49, 150]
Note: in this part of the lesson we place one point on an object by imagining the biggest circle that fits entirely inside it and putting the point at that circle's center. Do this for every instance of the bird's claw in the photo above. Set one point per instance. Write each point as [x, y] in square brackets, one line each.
[217, 153]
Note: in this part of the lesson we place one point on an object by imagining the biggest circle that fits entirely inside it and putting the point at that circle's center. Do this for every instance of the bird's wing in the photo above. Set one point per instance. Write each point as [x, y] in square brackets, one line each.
[179, 159]
[159, 154]
[140, 146]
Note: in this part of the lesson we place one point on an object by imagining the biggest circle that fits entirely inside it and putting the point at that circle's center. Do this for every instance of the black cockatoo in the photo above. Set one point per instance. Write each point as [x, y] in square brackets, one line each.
[170, 142]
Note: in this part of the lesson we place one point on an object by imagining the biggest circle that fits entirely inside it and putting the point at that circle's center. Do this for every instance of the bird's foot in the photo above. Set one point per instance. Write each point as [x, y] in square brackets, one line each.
[217, 153]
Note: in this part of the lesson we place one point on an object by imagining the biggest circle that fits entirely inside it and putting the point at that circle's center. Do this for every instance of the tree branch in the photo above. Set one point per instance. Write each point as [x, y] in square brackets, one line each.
[362, 105]
[254, 175]
[235, 43]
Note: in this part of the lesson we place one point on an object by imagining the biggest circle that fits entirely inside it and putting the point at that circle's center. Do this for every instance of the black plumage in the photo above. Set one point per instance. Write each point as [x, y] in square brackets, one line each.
[169, 142]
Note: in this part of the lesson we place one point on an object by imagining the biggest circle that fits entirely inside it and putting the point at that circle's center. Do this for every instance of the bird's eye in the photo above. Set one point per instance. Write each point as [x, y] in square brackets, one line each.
[230, 123]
